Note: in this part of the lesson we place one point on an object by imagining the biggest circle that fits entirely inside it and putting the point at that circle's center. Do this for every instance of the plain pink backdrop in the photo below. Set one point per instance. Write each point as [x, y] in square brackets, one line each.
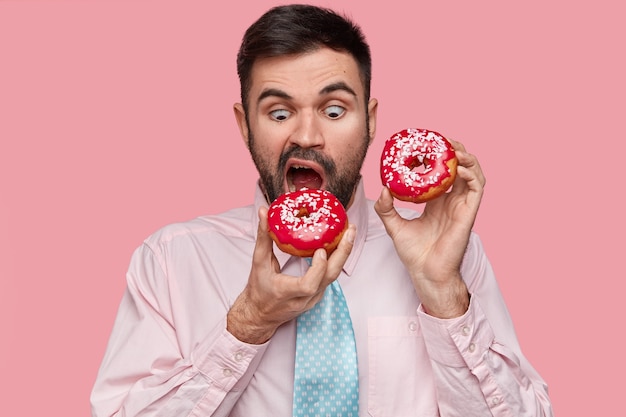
[116, 119]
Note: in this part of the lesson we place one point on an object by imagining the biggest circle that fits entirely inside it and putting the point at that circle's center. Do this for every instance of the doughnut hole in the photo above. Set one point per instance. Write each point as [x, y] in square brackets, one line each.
[417, 166]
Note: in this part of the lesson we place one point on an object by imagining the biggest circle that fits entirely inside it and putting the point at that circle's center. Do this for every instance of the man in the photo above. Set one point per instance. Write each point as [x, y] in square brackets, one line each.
[208, 324]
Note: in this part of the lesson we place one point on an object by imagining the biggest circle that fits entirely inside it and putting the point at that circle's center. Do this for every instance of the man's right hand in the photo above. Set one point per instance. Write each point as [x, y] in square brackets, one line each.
[271, 298]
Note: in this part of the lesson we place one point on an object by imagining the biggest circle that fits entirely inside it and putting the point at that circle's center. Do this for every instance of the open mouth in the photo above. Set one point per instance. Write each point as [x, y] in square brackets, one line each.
[300, 176]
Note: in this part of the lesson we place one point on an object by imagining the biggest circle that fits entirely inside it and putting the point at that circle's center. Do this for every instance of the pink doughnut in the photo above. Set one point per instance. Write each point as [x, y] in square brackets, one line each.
[410, 149]
[300, 222]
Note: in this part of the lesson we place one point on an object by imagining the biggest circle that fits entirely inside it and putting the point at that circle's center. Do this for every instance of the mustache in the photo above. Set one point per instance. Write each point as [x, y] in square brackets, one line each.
[307, 154]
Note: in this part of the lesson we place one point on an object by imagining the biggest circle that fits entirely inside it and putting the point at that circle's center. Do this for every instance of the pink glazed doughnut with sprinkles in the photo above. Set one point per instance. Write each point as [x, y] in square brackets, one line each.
[300, 222]
[417, 165]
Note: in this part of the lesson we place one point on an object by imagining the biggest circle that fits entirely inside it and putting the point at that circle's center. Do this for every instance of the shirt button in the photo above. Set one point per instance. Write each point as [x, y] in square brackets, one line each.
[465, 330]
[495, 401]
[238, 356]
[472, 347]
[412, 326]
[227, 372]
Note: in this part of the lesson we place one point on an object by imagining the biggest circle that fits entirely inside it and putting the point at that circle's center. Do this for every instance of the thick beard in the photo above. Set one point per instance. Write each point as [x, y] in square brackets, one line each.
[341, 184]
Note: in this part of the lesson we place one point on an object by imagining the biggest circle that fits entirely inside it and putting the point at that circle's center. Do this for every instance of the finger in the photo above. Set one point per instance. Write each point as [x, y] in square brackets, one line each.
[264, 243]
[470, 177]
[311, 285]
[472, 185]
[470, 171]
[458, 146]
[470, 180]
[339, 257]
[468, 160]
[387, 212]
[324, 270]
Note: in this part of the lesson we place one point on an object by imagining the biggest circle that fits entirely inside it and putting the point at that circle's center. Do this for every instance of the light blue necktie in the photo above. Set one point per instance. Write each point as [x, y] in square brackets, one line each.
[326, 375]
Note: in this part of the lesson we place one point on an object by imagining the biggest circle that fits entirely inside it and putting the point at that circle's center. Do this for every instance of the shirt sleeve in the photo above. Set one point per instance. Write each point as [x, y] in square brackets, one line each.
[476, 358]
[144, 373]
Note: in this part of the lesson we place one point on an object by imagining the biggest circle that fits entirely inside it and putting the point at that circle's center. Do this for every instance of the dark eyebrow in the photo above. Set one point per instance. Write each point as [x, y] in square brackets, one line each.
[273, 92]
[337, 86]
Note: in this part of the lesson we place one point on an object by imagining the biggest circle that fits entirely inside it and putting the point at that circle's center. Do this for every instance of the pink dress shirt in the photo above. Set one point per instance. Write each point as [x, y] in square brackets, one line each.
[169, 353]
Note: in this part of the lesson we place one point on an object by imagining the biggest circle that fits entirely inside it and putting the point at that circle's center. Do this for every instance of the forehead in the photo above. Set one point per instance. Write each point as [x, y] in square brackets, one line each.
[304, 74]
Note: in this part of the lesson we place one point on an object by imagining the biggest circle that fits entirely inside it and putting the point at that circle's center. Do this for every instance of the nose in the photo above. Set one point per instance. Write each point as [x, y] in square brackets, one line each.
[308, 132]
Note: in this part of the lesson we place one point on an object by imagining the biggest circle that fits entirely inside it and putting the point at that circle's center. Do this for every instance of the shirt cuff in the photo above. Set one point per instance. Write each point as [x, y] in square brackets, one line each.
[459, 342]
[223, 359]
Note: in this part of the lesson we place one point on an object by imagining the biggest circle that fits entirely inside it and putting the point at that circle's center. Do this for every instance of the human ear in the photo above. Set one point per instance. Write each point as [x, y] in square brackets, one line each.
[372, 111]
[240, 117]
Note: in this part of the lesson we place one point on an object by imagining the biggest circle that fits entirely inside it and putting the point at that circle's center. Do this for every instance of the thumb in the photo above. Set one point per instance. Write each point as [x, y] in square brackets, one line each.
[264, 242]
[386, 211]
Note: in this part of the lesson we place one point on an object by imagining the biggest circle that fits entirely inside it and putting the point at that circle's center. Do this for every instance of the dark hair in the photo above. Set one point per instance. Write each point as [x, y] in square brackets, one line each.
[299, 28]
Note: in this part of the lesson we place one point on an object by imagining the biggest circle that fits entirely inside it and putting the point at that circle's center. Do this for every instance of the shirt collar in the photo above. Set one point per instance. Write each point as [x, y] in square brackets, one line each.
[357, 215]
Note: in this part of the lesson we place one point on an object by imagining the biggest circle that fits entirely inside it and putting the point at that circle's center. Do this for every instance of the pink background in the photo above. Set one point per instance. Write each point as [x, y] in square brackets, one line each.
[116, 119]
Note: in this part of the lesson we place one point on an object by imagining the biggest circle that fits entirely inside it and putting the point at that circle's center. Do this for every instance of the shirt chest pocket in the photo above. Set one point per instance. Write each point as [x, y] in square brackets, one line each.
[400, 376]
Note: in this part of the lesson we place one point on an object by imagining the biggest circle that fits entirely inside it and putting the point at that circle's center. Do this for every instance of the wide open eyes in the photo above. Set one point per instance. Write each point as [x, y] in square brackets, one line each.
[334, 111]
[280, 115]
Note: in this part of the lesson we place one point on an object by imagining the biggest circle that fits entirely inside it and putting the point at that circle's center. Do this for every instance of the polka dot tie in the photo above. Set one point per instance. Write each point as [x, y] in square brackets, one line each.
[326, 375]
